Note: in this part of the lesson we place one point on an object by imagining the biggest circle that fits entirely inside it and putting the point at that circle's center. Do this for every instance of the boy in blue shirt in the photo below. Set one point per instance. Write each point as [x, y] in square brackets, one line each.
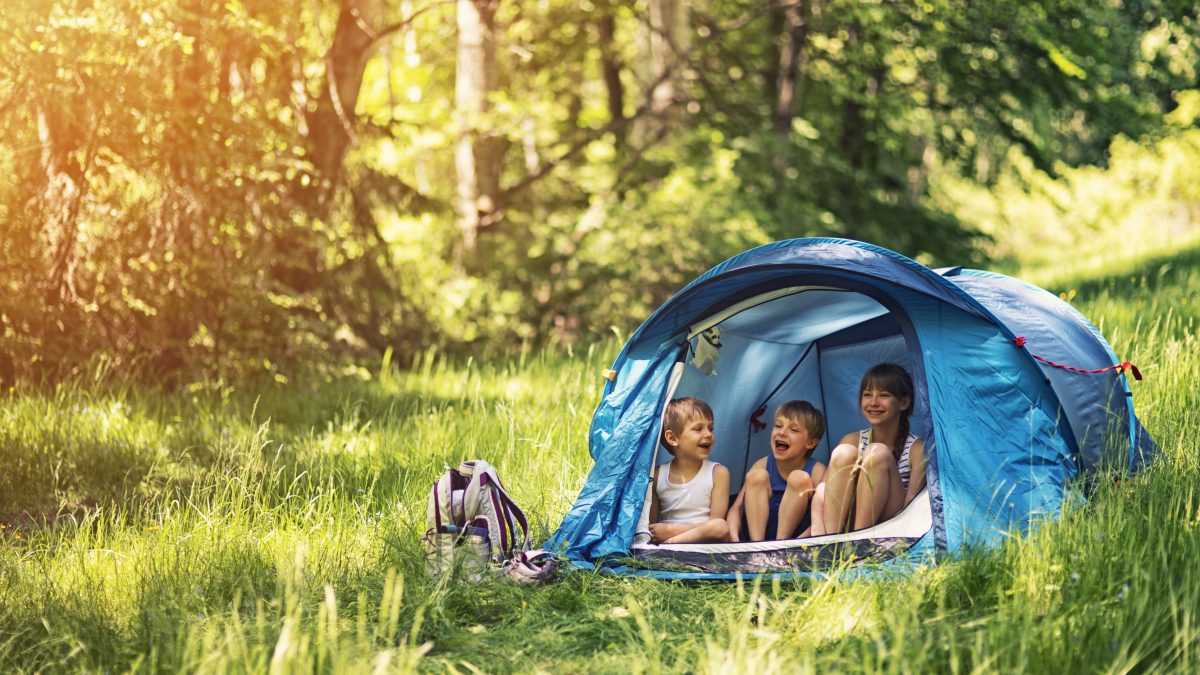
[774, 500]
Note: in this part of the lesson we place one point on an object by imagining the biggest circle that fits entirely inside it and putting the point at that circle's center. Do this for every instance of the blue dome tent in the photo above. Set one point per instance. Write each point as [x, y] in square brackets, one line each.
[1017, 395]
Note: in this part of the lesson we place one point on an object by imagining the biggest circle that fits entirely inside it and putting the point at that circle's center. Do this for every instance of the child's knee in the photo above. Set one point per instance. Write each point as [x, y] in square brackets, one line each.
[799, 481]
[758, 479]
[878, 454]
[843, 456]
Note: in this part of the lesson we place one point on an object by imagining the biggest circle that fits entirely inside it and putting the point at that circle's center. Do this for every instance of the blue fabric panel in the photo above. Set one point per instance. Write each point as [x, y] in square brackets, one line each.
[803, 384]
[803, 317]
[1145, 449]
[624, 435]
[623, 388]
[1096, 406]
[1001, 459]
[874, 329]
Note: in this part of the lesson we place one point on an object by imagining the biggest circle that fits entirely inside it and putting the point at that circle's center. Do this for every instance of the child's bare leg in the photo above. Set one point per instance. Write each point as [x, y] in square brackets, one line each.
[878, 486]
[794, 504]
[713, 529]
[757, 503]
[839, 490]
[818, 514]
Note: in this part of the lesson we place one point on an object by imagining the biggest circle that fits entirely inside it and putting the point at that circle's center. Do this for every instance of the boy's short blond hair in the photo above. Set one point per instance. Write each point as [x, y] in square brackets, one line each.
[807, 414]
[679, 412]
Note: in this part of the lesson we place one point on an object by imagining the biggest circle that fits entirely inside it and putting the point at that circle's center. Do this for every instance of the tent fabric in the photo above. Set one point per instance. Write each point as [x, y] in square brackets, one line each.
[602, 519]
[1057, 331]
[1005, 434]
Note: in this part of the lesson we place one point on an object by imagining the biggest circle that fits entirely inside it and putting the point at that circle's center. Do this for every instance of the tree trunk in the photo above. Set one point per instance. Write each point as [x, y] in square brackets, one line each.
[776, 25]
[62, 195]
[668, 20]
[610, 65]
[331, 124]
[475, 156]
[791, 58]
[668, 40]
[853, 137]
[788, 87]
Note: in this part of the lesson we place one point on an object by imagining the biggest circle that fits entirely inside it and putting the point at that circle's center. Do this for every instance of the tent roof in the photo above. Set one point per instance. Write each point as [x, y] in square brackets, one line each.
[1054, 329]
[842, 263]
[827, 311]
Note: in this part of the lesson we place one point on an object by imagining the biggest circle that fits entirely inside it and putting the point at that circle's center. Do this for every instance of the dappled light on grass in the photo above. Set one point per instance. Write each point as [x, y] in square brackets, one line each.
[749, 638]
[834, 611]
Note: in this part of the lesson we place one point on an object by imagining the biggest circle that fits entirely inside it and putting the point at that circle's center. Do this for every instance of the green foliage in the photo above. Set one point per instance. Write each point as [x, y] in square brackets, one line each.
[171, 137]
[679, 225]
[183, 196]
[1144, 201]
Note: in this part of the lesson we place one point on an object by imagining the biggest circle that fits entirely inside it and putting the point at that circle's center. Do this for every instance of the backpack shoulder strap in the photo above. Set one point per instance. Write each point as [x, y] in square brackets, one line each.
[442, 509]
[473, 471]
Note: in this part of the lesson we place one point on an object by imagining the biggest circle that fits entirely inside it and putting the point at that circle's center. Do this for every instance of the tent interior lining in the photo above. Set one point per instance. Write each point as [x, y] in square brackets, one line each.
[810, 343]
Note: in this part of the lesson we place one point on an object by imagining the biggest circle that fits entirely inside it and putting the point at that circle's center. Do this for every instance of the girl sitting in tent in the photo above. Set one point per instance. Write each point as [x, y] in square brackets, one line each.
[876, 472]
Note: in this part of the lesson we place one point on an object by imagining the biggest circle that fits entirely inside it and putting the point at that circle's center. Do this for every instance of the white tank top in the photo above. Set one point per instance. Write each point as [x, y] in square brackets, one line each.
[904, 465]
[687, 502]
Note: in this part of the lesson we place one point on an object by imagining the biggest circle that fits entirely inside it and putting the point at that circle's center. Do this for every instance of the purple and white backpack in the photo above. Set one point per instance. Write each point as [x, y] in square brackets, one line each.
[473, 522]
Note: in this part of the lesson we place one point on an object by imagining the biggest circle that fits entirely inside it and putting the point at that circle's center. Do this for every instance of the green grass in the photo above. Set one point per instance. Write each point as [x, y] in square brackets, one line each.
[276, 528]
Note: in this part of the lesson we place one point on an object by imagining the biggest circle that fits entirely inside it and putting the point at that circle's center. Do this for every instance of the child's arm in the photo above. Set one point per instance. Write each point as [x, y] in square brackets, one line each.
[734, 517]
[719, 506]
[663, 533]
[659, 532]
[916, 478]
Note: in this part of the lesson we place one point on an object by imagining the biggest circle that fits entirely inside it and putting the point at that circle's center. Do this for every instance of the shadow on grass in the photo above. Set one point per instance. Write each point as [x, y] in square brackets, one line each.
[77, 450]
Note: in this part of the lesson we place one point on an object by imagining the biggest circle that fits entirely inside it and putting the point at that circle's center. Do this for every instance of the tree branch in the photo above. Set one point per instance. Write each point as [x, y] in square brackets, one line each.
[12, 97]
[336, 99]
[377, 35]
[507, 194]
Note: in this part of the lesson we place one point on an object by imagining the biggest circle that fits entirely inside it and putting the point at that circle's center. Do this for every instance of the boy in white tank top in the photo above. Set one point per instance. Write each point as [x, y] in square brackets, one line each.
[691, 493]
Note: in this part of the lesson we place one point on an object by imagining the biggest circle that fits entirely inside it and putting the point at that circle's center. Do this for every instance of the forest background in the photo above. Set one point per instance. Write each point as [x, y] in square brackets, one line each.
[195, 190]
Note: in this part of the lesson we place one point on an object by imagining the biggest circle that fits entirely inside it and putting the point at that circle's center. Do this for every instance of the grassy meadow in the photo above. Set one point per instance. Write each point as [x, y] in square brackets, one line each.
[276, 528]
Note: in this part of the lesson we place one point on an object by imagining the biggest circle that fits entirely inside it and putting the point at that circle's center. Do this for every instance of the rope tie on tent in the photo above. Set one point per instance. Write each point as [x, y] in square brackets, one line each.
[755, 419]
[1119, 367]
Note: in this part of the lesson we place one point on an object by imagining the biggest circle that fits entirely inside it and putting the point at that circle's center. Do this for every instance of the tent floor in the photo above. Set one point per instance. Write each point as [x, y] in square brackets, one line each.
[879, 543]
